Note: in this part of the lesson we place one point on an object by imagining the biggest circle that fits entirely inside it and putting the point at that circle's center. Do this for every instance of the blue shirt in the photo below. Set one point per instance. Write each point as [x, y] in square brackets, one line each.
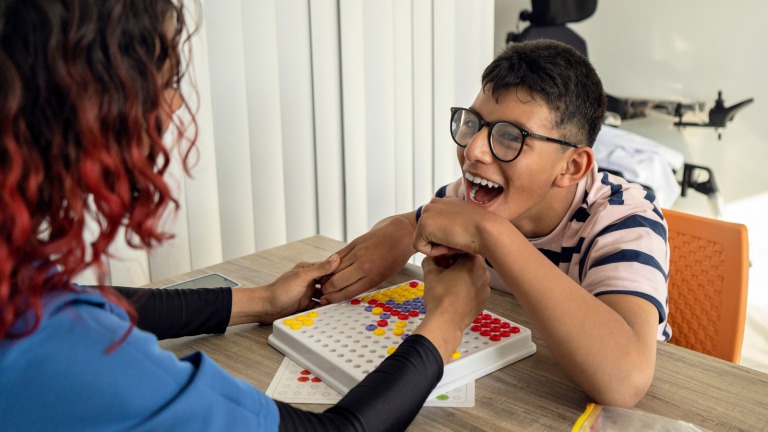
[60, 377]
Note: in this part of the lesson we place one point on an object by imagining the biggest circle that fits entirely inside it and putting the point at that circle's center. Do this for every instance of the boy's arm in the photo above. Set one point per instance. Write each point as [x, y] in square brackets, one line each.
[607, 344]
[371, 258]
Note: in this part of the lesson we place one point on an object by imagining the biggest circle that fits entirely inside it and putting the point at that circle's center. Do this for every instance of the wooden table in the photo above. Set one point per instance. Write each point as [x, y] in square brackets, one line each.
[532, 394]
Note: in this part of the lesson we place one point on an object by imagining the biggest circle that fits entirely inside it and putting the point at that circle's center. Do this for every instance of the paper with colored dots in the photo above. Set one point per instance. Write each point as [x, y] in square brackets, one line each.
[294, 384]
[341, 343]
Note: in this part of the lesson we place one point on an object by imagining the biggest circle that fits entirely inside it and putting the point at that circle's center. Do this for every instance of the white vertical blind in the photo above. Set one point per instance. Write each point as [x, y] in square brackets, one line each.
[351, 35]
[227, 53]
[423, 103]
[266, 175]
[326, 78]
[379, 114]
[316, 116]
[403, 116]
[295, 61]
[174, 256]
[201, 189]
[461, 53]
[444, 80]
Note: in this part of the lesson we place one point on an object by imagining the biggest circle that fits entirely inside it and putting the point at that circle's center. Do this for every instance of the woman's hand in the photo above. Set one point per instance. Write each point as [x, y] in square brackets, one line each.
[290, 293]
[453, 298]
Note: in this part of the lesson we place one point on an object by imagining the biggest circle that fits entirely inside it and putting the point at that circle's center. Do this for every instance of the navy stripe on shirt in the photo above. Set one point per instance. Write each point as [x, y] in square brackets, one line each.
[656, 303]
[636, 221]
[630, 222]
[650, 197]
[580, 215]
[617, 196]
[551, 255]
[566, 254]
[631, 255]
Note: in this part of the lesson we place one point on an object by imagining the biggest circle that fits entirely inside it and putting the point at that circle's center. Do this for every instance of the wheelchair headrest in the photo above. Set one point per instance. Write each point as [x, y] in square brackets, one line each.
[556, 12]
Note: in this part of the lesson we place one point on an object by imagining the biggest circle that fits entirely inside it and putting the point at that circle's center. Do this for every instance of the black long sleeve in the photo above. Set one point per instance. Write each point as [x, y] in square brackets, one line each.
[177, 312]
[387, 400]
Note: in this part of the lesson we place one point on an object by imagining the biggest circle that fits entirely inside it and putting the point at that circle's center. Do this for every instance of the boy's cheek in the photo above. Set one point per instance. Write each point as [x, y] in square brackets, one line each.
[460, 155]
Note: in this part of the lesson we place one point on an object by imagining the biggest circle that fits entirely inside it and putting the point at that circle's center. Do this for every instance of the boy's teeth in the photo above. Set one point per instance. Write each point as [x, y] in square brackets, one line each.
[473, 191]
[481, 181]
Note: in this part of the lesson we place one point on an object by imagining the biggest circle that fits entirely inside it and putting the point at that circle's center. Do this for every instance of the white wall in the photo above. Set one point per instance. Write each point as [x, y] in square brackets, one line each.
[683, 50]
[315, 117]
[688, 50]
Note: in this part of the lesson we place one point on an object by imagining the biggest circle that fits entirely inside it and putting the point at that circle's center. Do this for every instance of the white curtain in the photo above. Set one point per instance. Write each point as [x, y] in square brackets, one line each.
[315, 117]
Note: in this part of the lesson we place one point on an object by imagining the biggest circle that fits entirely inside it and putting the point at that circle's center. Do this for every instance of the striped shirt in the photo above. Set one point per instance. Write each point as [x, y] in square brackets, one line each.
[613, 240]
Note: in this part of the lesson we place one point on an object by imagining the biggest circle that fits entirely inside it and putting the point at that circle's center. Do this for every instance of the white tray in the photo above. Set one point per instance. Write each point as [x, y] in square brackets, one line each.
[336, 346]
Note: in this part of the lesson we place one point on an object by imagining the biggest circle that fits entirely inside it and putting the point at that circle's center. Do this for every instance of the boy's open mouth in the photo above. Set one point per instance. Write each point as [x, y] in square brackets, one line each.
[480, 190]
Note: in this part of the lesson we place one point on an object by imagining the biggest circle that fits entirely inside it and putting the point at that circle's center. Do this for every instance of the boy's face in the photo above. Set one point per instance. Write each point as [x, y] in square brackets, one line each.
[526, 195]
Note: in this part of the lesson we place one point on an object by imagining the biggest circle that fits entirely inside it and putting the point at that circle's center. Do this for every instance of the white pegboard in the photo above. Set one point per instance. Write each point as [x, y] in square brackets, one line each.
[341, 343]
[294, 384]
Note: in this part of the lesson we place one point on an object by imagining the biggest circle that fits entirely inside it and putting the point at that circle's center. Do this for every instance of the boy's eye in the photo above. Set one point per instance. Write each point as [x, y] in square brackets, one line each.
[511, 137]
[507, 134]
[470, 124]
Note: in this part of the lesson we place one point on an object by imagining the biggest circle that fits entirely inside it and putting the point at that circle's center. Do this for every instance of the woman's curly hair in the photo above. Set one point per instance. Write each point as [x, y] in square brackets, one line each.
[82, 110]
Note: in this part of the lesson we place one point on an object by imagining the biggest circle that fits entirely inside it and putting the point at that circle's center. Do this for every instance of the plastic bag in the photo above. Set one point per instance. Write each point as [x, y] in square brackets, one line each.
[599, 418]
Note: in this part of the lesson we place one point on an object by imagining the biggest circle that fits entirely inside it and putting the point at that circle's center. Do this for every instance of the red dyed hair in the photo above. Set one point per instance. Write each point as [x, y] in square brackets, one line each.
[82, 84]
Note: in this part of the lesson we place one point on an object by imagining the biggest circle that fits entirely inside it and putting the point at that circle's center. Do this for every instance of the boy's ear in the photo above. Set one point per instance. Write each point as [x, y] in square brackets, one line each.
[578, 165]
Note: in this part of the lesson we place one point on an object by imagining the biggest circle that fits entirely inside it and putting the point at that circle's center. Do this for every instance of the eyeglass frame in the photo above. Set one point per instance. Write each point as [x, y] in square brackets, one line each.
[483, 123]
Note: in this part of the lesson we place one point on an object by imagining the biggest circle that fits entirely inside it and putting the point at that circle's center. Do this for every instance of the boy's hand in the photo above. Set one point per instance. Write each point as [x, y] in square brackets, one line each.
[369, 260]
[450, 226]
[446, 261]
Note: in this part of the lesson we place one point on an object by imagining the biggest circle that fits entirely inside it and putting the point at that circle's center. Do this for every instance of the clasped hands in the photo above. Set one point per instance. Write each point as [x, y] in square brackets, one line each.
[448, 228]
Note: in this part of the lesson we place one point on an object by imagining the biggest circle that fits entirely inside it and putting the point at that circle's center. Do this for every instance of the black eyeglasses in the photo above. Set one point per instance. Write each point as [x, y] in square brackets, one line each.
[505, 139]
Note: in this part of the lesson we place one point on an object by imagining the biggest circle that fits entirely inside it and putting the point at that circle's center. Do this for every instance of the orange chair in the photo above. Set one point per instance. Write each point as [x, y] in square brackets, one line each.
[708, 273]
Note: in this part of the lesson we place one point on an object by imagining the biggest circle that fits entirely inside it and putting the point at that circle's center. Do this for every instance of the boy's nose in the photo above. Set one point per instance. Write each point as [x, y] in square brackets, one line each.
[478, 149]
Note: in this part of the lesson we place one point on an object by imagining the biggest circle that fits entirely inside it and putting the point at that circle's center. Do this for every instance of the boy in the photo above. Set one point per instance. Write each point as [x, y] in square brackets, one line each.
[531, 201]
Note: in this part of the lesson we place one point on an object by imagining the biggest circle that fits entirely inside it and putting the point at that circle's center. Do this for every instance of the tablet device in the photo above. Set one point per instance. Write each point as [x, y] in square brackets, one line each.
[210, 280]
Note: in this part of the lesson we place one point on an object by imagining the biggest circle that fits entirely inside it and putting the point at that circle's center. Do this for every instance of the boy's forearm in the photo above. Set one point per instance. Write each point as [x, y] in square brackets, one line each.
[610, 356]
[409, 217]
[406, 223]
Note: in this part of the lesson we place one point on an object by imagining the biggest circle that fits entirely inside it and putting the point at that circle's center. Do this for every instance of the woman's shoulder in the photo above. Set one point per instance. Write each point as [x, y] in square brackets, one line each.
[82, 356]
[86, 367]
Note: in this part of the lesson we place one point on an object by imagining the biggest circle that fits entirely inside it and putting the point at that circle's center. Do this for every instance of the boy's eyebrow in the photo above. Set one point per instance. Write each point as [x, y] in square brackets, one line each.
[516, 123]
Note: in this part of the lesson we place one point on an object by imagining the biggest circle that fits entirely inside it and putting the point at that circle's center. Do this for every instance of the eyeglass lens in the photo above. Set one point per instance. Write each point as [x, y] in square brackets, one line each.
[506, 139]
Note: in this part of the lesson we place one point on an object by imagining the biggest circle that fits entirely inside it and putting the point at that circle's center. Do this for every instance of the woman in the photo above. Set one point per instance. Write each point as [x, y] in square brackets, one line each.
[87, 88]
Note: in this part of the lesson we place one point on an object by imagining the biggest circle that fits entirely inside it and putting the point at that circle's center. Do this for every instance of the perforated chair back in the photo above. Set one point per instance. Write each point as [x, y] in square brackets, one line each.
[708, 274]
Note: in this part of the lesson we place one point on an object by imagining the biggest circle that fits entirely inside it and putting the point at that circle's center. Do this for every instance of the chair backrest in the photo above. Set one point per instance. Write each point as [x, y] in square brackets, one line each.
[548, 20]
[560, 33]
[708, 272]
[556, 12]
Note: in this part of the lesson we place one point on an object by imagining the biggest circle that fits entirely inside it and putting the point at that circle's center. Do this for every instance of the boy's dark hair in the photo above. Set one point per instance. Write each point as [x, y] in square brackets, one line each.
[561, 77]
